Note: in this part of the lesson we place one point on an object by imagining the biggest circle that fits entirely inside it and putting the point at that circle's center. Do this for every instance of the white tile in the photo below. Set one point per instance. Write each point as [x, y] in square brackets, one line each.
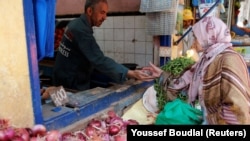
[140, 59]
[118, 22]
[102, 25]
[129, 58]
[129, 47]
[99, 34]
[119, 34]
[110, 54]
[149, 48]
[119, 46]
[149, 37]
[129, 35]
[129, 22]
[108, 23]
[140, 34]
[101, 45]
[119, 57]
[109, 46]
[109, 34]
[140, 21]
[140, 48]
[149, 58]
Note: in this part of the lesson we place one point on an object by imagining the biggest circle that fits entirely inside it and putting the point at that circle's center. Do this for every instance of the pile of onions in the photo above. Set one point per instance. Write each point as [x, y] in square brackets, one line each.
[109, 128]
[36, 133]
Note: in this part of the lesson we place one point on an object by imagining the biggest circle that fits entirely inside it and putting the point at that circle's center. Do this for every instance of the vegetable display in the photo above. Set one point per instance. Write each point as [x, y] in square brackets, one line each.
[178, 65]
[176, 68]
[10, 133]
[110, 127]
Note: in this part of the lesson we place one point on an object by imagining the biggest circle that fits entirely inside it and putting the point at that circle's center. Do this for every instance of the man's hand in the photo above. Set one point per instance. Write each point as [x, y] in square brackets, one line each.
[246, 30]
[46, 92]
[140, 75]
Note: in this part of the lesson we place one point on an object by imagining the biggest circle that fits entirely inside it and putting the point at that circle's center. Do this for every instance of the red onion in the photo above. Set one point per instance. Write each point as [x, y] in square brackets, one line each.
[23, 133]
[67, 136]
[9, 133]
[53, 135]
[80, 137]
[39, 129]
[34, 139]
[4, 123]
[29, 131]
[114, 129]
[117, 121]
[132, 122]
[90, 131]
[95, 123]
[112, 114]
[120, 137]
[105, 137]
[3, 136]
[107, 120]
[17, 138]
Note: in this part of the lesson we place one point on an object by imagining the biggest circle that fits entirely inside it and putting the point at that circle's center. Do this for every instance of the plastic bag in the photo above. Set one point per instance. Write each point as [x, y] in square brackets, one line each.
[178, 112]
[44, 12]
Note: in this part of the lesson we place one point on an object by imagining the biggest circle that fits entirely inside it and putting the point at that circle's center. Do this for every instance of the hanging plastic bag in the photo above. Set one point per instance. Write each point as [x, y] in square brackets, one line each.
[204, 7]
[178, 112]
[195, 2]
[44, 12]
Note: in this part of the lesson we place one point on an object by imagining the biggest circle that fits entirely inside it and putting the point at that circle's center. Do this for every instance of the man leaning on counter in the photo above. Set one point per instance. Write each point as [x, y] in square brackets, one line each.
[79, 54]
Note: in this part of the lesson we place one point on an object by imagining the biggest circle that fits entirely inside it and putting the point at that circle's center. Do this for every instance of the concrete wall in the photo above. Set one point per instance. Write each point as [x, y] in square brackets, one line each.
[15, 93]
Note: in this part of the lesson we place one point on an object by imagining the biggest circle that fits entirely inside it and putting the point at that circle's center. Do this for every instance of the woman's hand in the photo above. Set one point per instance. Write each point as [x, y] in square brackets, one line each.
[153, 70]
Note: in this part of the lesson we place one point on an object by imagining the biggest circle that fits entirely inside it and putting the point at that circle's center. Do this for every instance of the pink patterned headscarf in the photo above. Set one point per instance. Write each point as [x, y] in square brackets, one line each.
[214, 37]
[211, 30]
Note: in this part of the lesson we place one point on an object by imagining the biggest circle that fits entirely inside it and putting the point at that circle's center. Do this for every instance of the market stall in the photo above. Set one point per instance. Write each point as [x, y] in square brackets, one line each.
[133, 102]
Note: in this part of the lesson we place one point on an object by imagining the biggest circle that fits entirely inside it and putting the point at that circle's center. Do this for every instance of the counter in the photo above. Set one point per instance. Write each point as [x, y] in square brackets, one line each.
[91, 103]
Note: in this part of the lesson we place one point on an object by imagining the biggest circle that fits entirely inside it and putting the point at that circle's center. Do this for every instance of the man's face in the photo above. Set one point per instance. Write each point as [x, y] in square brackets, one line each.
[187, 23]
[245, 22]
[99, 14]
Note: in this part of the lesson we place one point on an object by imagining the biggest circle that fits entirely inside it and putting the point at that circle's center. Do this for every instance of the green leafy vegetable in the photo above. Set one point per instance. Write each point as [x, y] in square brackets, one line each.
[176, 67]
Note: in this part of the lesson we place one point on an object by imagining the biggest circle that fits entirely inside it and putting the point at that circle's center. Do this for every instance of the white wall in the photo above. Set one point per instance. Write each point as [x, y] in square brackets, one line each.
[124, 39]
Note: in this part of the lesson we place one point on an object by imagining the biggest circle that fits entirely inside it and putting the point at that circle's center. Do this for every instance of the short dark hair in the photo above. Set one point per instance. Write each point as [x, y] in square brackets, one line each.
[92, 3]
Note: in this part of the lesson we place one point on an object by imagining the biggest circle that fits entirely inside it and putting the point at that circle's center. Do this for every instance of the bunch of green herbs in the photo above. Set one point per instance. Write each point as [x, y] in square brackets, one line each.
[176, 67]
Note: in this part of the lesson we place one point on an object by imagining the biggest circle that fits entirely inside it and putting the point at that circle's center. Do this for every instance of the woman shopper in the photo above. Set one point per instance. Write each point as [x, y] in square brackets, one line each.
[220, 78]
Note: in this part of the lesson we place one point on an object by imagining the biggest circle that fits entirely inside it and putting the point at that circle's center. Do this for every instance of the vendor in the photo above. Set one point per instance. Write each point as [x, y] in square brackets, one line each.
[245, 23]
[79, 54]
[241, 31]
[188, 21]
